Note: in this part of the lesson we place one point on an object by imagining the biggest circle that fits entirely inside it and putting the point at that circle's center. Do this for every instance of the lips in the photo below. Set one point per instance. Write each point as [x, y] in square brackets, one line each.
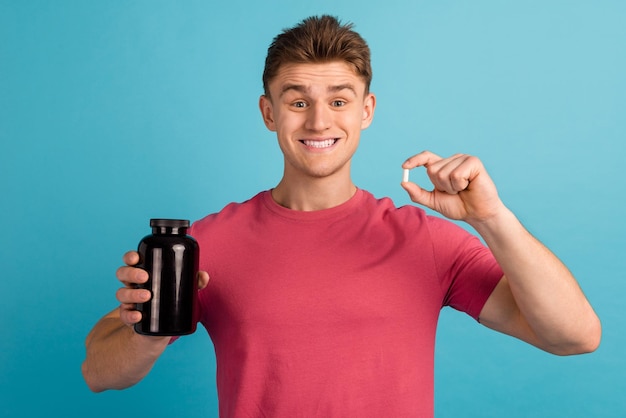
[326, 143]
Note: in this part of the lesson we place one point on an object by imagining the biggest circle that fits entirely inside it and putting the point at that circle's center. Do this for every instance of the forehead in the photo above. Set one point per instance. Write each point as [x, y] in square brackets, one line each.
[316, 76]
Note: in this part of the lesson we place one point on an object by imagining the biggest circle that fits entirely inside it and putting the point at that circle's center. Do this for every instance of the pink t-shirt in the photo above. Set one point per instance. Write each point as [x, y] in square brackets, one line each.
[333, 313]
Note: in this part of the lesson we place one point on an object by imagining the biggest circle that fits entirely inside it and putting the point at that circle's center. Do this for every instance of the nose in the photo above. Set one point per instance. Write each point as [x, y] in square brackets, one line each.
[319, 117]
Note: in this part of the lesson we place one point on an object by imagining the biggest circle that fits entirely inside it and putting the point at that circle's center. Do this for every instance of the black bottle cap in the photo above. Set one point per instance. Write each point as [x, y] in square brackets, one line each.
[169, 223]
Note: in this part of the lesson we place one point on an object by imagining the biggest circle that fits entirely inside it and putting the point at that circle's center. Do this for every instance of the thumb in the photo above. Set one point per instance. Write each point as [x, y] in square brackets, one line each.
[203, 279]
[417, 194]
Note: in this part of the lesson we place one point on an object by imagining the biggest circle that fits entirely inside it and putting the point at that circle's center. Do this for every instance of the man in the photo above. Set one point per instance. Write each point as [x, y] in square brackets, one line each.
[323, 300]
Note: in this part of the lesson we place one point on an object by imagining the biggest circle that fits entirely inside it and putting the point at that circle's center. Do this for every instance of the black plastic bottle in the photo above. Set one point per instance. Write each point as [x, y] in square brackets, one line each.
[170, 257]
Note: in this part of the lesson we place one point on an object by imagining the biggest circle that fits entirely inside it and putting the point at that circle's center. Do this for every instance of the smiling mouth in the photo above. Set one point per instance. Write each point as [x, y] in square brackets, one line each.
[319, 144]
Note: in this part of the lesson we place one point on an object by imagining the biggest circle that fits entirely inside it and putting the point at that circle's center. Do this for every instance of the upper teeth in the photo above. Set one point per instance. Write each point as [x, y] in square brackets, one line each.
[319, 144]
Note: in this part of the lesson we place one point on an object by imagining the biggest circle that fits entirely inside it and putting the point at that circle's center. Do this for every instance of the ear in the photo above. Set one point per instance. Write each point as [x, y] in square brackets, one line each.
[369, 105]
[267, 112]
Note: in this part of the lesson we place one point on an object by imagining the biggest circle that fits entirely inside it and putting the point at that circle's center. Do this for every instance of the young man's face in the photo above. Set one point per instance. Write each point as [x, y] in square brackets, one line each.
[317, 112]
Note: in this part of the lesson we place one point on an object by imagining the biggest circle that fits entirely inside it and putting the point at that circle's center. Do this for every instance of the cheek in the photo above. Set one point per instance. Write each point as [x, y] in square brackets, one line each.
[354, 120]
[289, 121]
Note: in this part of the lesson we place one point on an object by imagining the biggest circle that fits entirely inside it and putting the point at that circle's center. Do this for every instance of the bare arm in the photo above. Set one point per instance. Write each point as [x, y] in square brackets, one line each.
[538, 300]
[117, 357]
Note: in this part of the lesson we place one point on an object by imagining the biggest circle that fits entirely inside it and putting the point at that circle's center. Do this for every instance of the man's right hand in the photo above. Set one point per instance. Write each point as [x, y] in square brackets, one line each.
[117, 357]
[129, 295]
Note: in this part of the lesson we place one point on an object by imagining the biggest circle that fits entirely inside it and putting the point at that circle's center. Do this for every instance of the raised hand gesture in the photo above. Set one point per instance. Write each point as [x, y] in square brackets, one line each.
[462, 188]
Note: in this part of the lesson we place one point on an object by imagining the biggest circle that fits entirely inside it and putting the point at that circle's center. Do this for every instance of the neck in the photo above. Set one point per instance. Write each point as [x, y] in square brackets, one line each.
[310, 195]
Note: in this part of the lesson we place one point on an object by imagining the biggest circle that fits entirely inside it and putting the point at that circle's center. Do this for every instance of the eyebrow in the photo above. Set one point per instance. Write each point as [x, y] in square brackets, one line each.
[331, 89]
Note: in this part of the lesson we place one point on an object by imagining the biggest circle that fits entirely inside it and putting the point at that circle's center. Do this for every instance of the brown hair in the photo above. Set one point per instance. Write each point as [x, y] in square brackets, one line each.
[318, 40]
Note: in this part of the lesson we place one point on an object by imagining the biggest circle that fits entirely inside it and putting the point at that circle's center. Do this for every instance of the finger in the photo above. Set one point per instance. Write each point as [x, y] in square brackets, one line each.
[442, 172]
[467, 169]
[127, 295]
[203, 279]
[131, 275]
[131, 258]
[418, 195]
[129, 315]
[424, 158]
[450, 175]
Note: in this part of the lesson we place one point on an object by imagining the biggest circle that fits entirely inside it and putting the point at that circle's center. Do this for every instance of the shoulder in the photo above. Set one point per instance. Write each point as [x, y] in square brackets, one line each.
[230, 214]
[416, 221]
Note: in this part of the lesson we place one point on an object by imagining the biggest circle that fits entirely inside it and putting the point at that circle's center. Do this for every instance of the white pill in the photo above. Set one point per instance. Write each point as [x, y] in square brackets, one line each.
[405, 175]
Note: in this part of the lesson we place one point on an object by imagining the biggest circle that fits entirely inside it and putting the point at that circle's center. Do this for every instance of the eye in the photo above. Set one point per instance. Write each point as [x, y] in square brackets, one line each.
[338, 103]
[299, 104]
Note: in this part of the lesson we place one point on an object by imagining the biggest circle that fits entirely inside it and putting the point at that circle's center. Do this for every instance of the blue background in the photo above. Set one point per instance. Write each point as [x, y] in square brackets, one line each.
[113, 112]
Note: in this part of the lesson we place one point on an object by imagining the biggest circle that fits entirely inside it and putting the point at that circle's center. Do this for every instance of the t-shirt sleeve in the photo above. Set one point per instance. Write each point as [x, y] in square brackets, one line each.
[467, 269]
